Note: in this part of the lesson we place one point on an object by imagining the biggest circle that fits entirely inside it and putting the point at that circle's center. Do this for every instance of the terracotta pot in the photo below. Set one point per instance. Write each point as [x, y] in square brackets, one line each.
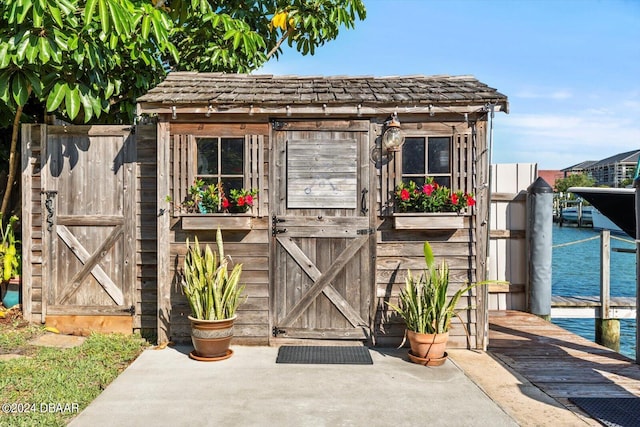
[427, 362]
[428, 346]
[211, 338]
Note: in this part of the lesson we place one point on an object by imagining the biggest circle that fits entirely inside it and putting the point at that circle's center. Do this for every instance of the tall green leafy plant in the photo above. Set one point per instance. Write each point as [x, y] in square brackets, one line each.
[213, 292]
[423, 303]
[9, 254]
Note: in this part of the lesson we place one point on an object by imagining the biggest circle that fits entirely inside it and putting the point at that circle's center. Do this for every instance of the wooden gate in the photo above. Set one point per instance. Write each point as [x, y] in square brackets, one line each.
[88, 228]
[323, 244]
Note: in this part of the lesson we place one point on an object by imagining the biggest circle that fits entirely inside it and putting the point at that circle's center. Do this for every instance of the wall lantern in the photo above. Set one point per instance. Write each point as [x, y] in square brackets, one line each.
[393, 137]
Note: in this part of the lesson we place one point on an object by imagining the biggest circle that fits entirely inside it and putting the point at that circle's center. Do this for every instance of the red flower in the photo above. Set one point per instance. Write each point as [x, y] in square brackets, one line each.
[404, 195]
[470, 200]
[249, 199]
[428, 189]
[225, 203]
[240, 201]
[454, 198]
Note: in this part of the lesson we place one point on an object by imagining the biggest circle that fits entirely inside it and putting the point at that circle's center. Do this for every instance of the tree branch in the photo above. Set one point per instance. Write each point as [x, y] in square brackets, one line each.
[12, 157]
[279, 43]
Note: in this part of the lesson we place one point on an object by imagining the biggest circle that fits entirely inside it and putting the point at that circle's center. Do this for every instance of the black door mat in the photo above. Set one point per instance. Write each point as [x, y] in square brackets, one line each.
[351, 355]
[611, 411]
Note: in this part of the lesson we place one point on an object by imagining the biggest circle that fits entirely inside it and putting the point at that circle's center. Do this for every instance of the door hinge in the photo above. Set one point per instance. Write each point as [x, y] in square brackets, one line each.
[274, 226]
[365, 231]
[131, 310]
[277, 331]
[276, 125]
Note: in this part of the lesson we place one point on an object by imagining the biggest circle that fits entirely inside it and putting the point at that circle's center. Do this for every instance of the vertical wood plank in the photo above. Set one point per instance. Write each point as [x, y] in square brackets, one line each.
[481, 168]
[246, 162]
[130, 192]
[262, 200]
[188, 162]
[163, 248]
[175, 153]
[27, 217]
[49, 161]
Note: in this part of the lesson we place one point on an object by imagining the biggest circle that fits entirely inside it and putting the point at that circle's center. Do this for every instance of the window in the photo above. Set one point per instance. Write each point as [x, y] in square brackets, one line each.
[221, 160]
[427, 156]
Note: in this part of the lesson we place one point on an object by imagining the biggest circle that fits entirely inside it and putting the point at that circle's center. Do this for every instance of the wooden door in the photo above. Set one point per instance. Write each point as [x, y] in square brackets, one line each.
[322, 235]
[88, 222]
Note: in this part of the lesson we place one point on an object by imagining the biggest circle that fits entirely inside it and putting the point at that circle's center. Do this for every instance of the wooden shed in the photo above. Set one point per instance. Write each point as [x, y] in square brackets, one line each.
[322, 247]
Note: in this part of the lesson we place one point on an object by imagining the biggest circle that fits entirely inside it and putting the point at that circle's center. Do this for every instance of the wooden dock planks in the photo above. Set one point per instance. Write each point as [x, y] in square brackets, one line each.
[560, 363]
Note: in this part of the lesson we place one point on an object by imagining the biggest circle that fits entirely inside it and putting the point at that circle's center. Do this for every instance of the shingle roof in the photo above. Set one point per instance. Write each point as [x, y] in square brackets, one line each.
[243, 89]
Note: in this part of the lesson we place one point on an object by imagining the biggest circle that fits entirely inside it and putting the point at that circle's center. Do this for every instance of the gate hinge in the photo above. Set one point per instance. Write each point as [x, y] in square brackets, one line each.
[364, 231]
[277, 331]
[276, 125]
[274, 226]
[131, 310]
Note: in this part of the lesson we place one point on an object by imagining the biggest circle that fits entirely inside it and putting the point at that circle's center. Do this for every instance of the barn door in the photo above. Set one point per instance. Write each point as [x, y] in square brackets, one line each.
[88, 222]
[322, 232]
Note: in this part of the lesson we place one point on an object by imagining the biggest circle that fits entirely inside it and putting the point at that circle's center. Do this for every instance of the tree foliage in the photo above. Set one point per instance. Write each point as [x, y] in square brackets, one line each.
[573, 180]
[89, 60]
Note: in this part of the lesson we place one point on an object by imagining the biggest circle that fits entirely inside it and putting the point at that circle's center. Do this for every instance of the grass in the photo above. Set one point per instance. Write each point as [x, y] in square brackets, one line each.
[49, 386]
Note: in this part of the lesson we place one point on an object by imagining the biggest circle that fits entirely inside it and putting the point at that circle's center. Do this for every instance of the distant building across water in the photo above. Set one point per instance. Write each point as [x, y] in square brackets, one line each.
[614, 171]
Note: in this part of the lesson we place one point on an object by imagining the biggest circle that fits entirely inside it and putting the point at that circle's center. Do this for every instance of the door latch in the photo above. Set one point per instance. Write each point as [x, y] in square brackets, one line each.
[131, 310]
[277, 331]
[363, 202]
[48, 204]
[365, 231]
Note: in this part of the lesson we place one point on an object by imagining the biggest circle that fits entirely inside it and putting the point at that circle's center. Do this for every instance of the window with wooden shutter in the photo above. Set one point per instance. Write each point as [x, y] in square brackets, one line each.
[234, 162]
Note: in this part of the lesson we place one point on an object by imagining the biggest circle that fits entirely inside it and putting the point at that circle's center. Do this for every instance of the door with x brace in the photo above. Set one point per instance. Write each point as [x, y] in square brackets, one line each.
[322, 235]
[88, 221]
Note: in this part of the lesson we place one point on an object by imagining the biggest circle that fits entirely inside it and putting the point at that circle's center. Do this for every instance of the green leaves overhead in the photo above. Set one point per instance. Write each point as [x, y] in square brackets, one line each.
[84, 58]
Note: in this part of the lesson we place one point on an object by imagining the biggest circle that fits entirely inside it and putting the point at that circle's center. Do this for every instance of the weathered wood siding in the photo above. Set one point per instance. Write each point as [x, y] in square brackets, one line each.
[34, 262]
[146, 232]
[508, 257]
[464, 249]
[32, 138]
[246, 238]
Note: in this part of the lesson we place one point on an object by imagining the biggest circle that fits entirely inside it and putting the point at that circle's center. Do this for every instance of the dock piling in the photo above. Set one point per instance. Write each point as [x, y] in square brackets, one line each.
[539, 241]
[607, 329]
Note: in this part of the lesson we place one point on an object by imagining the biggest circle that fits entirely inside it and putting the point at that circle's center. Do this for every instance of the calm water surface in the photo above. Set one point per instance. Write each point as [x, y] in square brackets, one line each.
[576, 271]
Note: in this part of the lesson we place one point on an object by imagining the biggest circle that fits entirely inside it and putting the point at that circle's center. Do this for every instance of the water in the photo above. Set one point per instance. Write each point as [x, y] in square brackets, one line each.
[576, 271]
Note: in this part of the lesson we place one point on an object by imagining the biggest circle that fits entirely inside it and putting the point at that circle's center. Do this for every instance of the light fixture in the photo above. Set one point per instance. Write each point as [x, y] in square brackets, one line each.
[393, 137]
[174, 113]
[209, 110]
[288, 110]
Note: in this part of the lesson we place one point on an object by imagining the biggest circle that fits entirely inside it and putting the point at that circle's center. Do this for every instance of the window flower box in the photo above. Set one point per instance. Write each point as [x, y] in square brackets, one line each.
[215, 221]
[428, 221]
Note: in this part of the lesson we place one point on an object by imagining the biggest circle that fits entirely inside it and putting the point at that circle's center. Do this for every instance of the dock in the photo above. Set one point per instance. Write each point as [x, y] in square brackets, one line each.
[561, 364]
[590, 307]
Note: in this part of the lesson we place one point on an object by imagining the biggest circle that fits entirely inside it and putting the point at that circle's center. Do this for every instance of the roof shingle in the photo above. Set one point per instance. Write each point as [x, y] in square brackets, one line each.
[243, 89]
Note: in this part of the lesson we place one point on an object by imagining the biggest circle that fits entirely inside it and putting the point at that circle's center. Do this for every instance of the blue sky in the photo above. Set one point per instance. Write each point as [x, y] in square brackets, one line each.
[571, 68]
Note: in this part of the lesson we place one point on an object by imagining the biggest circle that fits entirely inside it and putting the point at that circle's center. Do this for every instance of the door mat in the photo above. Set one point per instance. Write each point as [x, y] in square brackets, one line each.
[611, 411]
[352, 355]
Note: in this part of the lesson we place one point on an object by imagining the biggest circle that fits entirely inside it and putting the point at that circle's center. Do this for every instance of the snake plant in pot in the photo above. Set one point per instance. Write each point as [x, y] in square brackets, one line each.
[427, 310]
[214, 294]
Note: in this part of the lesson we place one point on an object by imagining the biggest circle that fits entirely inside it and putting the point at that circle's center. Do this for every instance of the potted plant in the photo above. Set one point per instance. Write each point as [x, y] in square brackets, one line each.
[214, 294]
[427, 310]
[11, 263]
